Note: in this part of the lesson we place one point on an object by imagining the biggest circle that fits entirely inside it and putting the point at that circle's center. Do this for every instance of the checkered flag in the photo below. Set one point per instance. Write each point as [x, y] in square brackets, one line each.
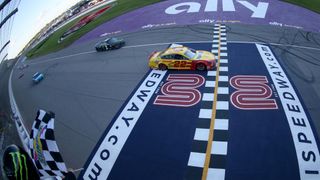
[43, 147]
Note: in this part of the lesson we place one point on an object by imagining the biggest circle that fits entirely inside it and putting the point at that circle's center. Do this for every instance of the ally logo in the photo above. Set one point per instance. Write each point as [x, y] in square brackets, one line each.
[258, 10]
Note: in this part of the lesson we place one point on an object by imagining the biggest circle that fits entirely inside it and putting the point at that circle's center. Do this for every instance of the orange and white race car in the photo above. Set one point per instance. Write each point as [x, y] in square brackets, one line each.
[182, 58]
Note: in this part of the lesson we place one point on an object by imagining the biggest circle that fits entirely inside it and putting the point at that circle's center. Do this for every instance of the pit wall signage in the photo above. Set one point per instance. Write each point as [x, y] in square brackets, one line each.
[258, 10]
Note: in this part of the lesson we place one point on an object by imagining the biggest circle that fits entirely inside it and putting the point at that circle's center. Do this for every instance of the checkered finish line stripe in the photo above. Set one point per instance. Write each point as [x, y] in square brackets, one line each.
[216, 159]
[43, 147]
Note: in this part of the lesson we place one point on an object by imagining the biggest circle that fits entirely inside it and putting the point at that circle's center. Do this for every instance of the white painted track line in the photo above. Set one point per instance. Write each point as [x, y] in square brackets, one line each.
[166, 43]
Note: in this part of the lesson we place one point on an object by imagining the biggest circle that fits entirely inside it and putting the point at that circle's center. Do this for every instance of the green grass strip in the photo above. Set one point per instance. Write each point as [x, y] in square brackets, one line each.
[313, 5]
[51, 44]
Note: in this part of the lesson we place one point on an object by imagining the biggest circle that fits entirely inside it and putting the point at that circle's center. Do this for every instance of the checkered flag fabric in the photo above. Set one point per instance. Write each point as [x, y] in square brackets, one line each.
[43, 147]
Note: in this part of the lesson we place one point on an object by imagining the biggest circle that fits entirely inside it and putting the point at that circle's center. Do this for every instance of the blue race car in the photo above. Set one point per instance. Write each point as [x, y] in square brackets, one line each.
[37, 77]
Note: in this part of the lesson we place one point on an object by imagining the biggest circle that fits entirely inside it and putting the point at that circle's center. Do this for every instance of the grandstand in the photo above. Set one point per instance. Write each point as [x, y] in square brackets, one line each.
[8, 10]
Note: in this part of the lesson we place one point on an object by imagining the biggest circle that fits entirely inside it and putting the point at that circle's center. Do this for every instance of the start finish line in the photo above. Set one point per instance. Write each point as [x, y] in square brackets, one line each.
[262, 129]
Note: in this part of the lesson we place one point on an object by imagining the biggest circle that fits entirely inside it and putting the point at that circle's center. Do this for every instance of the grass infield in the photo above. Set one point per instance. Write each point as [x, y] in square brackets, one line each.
[51, 43]
[313, 5]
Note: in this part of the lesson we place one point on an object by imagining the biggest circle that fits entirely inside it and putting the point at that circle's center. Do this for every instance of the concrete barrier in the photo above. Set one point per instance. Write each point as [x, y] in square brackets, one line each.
[16, 116]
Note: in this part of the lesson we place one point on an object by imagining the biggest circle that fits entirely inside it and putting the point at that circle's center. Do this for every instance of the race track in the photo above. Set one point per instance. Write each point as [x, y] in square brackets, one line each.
[86, 89]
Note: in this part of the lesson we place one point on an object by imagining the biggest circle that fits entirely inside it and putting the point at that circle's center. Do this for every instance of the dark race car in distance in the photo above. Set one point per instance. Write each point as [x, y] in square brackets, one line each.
[109, 44]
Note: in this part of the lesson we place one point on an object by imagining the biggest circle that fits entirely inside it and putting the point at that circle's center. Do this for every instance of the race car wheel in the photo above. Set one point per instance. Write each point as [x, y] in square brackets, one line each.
[201, 67]
[162, 67]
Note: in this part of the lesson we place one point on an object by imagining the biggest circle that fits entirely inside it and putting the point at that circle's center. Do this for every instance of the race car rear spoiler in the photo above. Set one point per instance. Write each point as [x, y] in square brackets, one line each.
[175, 45]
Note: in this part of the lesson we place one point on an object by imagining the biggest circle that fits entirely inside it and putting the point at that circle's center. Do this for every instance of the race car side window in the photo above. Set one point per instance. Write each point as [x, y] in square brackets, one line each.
[167, 57]
[180, 57]
[112, 40]
[164, 57]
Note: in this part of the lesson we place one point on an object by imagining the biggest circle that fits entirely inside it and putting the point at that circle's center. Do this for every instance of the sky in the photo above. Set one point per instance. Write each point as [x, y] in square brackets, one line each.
[32, 16]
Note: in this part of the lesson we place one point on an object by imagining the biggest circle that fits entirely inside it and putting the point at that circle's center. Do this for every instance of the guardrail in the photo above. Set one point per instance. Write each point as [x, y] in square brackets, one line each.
[16, 116]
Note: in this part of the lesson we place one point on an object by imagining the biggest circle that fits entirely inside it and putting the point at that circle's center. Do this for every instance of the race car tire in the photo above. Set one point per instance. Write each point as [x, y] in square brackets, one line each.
[200, 67]
[162, 67]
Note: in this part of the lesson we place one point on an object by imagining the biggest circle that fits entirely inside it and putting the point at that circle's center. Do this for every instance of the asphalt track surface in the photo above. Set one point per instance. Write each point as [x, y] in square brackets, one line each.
[86, 89]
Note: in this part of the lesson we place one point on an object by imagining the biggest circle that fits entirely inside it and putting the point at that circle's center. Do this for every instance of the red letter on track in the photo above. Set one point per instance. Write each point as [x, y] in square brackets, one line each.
[180, 90]
[252, 93]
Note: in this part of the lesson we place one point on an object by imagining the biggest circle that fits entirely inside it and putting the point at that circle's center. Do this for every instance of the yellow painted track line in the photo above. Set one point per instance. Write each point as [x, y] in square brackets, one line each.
[213, 117]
